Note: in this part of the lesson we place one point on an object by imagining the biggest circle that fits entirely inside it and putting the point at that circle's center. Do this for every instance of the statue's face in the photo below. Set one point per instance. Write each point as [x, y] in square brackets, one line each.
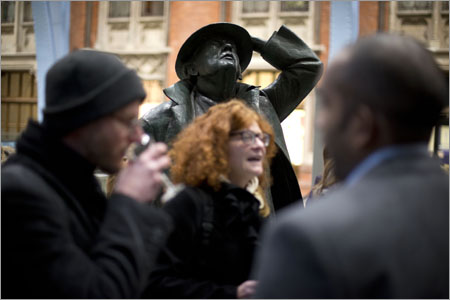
[216, 54]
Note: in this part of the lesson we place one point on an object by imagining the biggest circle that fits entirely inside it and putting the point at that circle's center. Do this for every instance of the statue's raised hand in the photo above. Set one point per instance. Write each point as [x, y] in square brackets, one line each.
[258, 44]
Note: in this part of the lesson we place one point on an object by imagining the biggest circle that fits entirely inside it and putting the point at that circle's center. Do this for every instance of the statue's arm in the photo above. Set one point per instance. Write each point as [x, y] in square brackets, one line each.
[300, 66]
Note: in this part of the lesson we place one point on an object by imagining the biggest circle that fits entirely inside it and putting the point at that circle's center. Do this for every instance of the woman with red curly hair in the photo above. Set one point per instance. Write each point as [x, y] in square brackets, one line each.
[223, 160]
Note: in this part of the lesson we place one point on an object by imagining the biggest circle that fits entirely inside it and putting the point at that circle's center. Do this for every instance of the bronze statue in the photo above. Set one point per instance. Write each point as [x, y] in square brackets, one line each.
[209, 64]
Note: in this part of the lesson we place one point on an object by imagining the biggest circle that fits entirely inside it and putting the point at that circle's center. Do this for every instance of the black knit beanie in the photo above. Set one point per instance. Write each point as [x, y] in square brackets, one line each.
[84, 86]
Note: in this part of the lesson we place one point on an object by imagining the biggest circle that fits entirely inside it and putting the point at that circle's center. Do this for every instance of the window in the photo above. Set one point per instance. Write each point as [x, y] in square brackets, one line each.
[152, 8]
[19, 102]
[260, 78]
[137, 32]
[255, 7]
[27, 15]
[17, 28]
[8, 8]
[119, 9]
[262, 18]
[427, 21]
[288, 6]
[414, 6]
[18, 64]
[132, 26]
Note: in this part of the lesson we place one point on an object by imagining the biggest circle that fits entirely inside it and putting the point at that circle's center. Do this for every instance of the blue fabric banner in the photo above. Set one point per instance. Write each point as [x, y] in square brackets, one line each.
[344, 29]
[51, 27]
[344, 25]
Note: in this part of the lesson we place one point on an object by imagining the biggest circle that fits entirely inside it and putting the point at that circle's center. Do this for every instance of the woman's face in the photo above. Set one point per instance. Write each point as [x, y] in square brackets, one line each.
[246, 153]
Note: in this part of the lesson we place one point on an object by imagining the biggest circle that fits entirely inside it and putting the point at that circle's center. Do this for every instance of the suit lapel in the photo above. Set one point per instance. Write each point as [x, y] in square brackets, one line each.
[180, 95]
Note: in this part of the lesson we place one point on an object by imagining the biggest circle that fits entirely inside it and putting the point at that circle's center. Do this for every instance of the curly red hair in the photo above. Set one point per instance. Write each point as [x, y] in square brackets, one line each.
[200, 152]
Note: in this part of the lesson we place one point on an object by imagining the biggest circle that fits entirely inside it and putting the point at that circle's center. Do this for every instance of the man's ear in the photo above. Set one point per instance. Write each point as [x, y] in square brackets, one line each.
[364, 128]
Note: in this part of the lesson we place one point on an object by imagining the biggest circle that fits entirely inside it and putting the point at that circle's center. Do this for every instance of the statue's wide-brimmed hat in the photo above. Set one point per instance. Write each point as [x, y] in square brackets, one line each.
[234, 32]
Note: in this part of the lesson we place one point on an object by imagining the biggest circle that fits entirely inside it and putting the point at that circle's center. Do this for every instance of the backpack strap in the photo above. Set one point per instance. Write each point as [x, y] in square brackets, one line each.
[207, 221]
[206, 225]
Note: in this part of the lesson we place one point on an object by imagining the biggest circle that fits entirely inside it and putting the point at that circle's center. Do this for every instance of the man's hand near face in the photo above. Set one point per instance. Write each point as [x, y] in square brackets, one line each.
[141, 179]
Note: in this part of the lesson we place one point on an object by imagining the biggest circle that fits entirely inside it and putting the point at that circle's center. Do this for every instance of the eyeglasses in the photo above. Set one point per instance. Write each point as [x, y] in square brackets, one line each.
[249, 137]
[130, 124]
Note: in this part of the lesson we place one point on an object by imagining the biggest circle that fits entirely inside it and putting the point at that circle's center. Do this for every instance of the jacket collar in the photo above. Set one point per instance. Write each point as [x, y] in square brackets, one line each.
[178, 92]
[37, 143]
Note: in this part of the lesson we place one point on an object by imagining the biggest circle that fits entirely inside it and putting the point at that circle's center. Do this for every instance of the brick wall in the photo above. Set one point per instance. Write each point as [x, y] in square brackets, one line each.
[185, 18]
[77, 24]
[324, 30]
[78, 13]
[368, 17]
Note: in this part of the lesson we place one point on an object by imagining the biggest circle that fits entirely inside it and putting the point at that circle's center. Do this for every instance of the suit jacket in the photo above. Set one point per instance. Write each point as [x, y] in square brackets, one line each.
[61, 238]
[301, 69]
[386, 237]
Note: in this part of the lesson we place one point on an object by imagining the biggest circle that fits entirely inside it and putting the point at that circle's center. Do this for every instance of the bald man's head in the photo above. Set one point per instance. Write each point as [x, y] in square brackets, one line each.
[383, 90]
[397, 77]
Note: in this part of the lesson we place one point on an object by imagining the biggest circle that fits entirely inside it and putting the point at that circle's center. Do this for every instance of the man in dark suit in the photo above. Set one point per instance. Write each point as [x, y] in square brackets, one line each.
[383, 232]
[209, 64]
[61, 237]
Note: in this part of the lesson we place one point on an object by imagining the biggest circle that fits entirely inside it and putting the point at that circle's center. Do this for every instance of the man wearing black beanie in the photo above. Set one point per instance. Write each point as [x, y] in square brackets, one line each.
[61, 237]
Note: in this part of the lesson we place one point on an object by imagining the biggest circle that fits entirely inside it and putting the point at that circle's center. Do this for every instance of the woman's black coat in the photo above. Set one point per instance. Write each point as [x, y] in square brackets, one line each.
[204, 261]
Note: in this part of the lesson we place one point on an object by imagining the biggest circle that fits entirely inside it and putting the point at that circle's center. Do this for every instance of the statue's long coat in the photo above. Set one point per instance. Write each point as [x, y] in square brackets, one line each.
[301, 69]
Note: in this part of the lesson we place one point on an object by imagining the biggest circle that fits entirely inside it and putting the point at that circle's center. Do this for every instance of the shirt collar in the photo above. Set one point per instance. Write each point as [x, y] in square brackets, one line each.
[381, 155]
